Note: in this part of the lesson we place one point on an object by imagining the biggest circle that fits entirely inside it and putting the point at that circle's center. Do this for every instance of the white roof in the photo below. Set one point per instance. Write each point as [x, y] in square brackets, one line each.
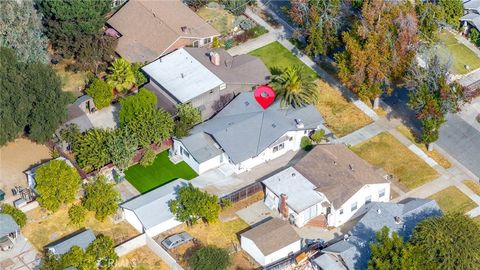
[183, 76]
[301, 192]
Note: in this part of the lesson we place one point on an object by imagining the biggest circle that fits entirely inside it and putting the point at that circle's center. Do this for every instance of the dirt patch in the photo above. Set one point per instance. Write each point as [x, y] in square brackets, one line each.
[141, 258]
[17, 157]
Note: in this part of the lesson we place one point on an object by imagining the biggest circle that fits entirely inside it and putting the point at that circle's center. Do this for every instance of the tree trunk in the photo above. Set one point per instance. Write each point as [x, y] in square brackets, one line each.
[430, 146]
[376, 103]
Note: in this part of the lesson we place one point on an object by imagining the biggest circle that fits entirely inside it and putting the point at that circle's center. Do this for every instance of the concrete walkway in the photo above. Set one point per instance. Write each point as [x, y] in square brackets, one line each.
[362, 134]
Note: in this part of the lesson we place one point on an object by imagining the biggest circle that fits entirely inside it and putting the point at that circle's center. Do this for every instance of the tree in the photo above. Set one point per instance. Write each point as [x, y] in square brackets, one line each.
[295, 88]
[188, 117]
[318, 135]
[101, 92]
[140, 78]
[474, 36]
[306, 143]
[432, 97]
[448, 242]
[237, 7]
[77, 258]
[93, 53]
[121, 76]
[122, 145]
[452, 11]
[101, 197]
[192, 204]
[91, 150]
[56, 183]
[17, 215]
[215, 43]
[70, 133]
[77, 214]
[386, 251]
[210, 258]
[148, 157]
[196, 4]
[21, 29]
[103, 250]
[429, 16]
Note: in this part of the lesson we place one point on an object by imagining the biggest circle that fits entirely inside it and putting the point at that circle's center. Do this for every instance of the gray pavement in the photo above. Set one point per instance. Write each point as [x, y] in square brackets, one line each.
[362, 134]
[22, 257]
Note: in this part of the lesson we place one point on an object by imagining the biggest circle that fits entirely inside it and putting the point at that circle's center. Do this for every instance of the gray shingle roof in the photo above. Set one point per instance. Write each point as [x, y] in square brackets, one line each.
[81, 239]
[7, 225]
[201, 146]
[355, 252]
[243, 129]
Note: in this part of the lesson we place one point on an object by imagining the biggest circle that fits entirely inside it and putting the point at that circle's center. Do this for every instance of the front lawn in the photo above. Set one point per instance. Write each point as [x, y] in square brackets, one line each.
[220, 19]
[387, 152]
[276, 55]
[461, 54]
[452, 199]
[160, 172]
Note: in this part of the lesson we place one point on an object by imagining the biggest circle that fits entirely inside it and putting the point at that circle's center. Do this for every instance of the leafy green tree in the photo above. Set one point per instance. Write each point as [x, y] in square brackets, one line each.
[103, 250]
[188, 117]
[93, 53]
[192, 204]
[91, 150]
[122, 145]
[452, 11]
[21, 29]
[295, 88]
[429, 16]
[70, 133]
[101, 197]
[196, 4]
[121, 76]
[101, 92]
[17, 215]
[77, 214]
[140, 78]
[237, 7]
[318, 135]
[448, 242]
[148, 157]
[56, 183]
[474, 36]
[306, 143]
[210, 258]
[78, 258]
[386, 251]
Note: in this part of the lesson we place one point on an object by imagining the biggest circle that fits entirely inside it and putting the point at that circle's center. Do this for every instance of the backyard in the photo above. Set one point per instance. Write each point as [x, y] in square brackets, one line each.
[452, 199]
[141, 259]
[387, 152]
[159, 173]
[221, 19]
[71, 82]
[461, 54]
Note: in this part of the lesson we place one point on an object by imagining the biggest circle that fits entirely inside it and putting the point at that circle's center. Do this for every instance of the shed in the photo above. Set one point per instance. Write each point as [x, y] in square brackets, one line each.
[81, 239]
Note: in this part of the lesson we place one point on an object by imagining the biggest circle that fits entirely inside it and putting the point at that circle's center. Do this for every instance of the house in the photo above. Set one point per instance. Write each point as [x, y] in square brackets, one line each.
[149, 29]
[149, 213]
[329, 185]
[207, 78]
[244, 135]
[80, 239]
[31, 173]
[353, 252]
[471, 19]
[9, 231]
[270, 241]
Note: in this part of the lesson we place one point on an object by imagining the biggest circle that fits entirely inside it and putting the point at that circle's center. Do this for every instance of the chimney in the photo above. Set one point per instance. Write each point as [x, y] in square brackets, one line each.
[398, 220]
[215, 58]
[184, 29]
[283, 205]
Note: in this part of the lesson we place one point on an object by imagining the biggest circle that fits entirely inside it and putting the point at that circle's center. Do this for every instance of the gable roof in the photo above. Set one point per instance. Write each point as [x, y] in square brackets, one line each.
[7, 225]
[272, 235]
[337, 172]
[149, 28]
[81, 239]
[152, 207]
[243, 129]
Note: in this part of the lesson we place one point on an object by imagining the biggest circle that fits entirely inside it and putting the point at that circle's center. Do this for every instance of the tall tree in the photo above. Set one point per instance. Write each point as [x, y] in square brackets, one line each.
[386, 251]
[188, 117]
[17, 214]
[101, 197]
[56, 183]
[90, 149]
[93, 53]
[429, 16]
[121, 76]
[452, 11]
[295, 88]
[210, 258]
[103, 249]
[121, 146]
[21, 29]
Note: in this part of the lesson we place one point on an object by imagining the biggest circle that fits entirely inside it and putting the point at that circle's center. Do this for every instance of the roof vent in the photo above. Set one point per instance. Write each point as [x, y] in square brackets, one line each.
[246, 103]
[293, 174]
[184, 29]
[183, 75]
[351, 167]
[299, 123]
[345, 237]
[398, 220]
[379, 211]
[273, 125]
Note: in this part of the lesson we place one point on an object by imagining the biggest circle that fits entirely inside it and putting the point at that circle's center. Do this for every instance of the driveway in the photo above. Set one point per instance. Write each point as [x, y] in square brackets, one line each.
[22, 257]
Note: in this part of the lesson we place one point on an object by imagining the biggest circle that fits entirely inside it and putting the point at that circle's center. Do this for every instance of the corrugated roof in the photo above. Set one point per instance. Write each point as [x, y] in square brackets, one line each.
[272, 235]
[7, 225]
[81, 239]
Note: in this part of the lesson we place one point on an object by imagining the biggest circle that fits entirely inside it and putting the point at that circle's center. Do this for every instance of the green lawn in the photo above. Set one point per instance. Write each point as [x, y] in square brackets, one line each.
[160, 172]
[275, 55]
[452, 199]
[461, 54]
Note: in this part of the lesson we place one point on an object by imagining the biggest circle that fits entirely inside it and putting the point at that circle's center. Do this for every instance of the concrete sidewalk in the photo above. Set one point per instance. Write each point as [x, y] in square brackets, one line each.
[362, 134]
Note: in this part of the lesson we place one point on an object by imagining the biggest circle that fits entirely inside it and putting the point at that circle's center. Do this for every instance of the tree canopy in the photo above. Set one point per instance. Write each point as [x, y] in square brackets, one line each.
[210, 258]
[101, 92]
[122, 145]
[56, 183]
[17, 215]
[188, 116]
[101, 197]
[294, 87]
[90, 149]
[452, 11]
[121, 76]
[386, 251]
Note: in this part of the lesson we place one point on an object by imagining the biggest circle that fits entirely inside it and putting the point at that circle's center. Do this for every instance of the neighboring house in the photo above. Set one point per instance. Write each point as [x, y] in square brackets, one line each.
[148, 29]
[330, 184]
[354, 251]
[80, 239]
[244, 135]
[207, 78]
[270, 241]
[472, 15]
[149, 213]
[9, 231]
[31, 173]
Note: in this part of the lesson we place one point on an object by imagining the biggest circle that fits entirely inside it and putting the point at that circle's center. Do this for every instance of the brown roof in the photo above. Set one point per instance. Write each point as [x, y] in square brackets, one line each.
[272, 235]
[337, 172]
[149, 28]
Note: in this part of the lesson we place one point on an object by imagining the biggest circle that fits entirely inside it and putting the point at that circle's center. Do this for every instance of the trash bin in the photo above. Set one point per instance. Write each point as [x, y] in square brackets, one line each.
[2, 195]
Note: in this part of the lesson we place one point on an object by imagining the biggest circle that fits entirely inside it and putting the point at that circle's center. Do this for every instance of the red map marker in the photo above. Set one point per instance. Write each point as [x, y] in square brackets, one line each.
[264, 95]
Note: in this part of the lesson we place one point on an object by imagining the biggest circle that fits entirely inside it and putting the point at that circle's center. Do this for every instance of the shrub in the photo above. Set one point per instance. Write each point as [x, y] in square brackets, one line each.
[257, 31]
[237, 7]
[140, 78]
[228, 44]
[215, 43]
[318, 135]
[101, 92]
[242, 37]
[77, 214]
[192, 204]
[209, 258]
[148, 157]
[306, 143]
[17, 215]
[226, 203]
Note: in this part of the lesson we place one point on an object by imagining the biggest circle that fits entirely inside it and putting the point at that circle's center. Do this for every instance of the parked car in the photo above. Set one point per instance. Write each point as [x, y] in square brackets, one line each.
[176, 240]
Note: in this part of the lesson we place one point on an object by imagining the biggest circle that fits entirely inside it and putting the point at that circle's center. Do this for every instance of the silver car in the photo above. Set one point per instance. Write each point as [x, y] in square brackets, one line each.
[176, 240]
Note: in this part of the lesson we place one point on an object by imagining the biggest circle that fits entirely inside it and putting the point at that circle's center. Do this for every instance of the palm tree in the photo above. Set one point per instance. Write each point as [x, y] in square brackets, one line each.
[121, 76]
[294, 87]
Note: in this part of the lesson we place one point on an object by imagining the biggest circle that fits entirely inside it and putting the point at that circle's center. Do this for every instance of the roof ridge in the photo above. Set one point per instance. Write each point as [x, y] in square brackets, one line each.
[260, 133]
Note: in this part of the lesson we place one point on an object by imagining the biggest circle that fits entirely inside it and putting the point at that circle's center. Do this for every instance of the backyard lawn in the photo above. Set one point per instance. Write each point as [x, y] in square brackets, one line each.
[474, 186]
[141, 259]
[160, 172]
[461, 54]
[452, 199]
[221, 19]
[387, 152]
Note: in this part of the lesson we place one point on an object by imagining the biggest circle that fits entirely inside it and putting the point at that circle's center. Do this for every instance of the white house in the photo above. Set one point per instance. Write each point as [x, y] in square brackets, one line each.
[149, 213]
[471, 18]
[244, 135]
[270, 241]
[330, 184]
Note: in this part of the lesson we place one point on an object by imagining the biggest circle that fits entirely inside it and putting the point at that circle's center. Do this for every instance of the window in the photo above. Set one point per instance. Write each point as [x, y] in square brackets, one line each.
[278, 147]
[340, 211]
[381, 193]
[368, 199]
[207, 40]
[195, 44]
[353, 206]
